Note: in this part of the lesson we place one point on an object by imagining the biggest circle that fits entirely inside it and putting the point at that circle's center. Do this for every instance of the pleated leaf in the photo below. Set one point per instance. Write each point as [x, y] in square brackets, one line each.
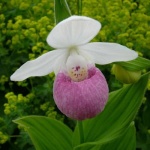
[116, 117]
[125, 142]
[137, 64]
[46, 133]
[62, 10]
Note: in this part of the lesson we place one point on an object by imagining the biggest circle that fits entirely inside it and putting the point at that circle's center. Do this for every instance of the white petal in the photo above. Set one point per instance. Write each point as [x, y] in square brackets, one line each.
[41, 66]
[105, 53]
[75, 30]
[60, 63]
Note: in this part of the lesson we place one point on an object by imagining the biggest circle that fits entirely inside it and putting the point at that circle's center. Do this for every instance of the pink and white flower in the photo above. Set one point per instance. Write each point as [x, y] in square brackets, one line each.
[80, 89]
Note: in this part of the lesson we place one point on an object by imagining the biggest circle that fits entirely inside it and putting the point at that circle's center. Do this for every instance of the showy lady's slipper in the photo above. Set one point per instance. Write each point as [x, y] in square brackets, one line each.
[80, 89]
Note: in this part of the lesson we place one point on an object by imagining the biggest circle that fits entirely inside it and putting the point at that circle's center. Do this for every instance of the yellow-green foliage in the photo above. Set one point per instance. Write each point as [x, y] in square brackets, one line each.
[15, 102]
[24, 26]
[3, 137]
[125, 22]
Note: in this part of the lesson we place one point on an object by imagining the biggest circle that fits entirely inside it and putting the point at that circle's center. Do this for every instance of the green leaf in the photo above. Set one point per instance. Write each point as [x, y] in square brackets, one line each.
[126, 142]
[116, 117]
[62, 10]
[47, 133]
[137, 64]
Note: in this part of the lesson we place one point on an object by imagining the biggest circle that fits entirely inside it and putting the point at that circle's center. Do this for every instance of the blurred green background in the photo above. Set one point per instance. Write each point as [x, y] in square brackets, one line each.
[24, 26]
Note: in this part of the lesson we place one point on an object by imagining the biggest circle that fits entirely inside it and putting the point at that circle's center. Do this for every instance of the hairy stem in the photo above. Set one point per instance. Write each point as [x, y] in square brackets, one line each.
[81, 132]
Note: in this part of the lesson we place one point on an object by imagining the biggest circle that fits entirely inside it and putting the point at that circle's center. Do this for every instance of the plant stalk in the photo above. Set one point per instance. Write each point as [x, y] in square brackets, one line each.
[81, 132]
[79, 7]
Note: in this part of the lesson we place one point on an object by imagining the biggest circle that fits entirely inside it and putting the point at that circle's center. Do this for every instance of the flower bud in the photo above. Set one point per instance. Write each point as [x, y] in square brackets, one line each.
[125, 76]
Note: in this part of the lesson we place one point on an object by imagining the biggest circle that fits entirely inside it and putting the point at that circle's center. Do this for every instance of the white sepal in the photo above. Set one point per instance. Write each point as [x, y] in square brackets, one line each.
[75, 30]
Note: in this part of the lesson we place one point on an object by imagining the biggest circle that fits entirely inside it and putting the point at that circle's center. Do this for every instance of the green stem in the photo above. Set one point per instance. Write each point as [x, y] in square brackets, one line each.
[79, 7]
[81, 132]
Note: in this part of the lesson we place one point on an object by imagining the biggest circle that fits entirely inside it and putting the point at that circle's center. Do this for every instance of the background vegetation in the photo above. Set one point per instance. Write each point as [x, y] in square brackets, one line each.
[24, 26]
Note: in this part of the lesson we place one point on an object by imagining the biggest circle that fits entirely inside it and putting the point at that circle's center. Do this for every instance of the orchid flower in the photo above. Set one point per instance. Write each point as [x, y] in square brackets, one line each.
[80, 89]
